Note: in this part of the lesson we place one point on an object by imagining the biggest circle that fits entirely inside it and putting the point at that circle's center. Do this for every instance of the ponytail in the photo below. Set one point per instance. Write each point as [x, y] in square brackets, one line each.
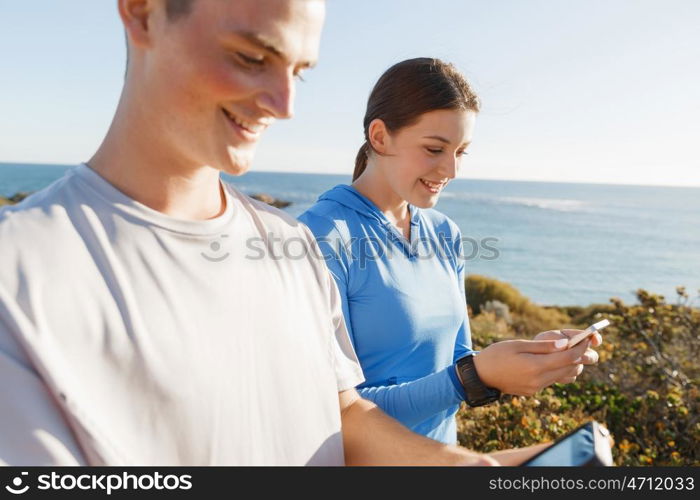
[361, 161]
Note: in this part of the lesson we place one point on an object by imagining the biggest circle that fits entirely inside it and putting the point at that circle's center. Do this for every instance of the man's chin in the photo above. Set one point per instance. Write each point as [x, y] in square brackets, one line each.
[238, 163]
[235, 171]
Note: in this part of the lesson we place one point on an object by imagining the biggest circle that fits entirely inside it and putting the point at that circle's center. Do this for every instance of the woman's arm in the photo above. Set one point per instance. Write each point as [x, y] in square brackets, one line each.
[419, 399]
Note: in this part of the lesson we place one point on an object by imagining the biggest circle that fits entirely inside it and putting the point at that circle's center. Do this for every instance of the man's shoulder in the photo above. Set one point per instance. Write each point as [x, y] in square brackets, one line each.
[40, 209]
[33, 231]
[265, 216]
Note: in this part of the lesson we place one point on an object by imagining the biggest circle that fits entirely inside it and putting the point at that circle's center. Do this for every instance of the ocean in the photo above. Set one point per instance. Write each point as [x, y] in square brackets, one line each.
[558, 243]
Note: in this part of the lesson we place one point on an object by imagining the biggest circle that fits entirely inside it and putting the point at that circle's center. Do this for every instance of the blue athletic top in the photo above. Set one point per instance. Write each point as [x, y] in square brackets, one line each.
[404, 305]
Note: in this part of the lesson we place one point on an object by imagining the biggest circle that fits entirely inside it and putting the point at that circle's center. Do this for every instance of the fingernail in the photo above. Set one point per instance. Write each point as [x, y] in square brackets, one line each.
[561, 343]
[579, 360]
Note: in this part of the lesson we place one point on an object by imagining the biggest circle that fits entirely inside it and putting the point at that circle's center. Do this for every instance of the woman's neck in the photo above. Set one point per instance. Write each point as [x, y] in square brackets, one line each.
[373, 185]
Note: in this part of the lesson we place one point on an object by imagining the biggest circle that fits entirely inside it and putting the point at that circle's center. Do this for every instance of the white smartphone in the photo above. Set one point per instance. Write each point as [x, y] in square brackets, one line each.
[587, 332]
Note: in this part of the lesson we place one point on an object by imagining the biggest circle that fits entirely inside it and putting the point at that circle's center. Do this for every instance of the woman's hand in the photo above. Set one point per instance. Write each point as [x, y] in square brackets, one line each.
[524, 367]
[590, 357]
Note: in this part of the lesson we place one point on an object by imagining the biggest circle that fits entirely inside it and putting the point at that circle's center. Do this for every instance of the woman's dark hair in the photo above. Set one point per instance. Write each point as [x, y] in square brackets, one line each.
[407, 90]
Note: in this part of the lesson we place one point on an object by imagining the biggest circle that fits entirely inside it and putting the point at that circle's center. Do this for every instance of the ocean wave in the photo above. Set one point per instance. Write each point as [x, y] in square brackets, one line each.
[310, 195]
[560, 205]
[555, 204]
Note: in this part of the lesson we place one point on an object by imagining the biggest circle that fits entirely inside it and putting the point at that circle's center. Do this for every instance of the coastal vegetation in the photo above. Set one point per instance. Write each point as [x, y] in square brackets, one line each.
[15, 198]
[644, 388]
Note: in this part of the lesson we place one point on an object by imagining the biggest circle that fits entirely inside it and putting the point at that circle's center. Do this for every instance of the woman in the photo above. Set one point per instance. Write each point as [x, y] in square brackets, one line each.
[398, 265]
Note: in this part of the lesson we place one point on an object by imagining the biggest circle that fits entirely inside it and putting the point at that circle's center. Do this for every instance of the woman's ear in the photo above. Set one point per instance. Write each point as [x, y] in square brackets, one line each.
[137, 18]
[378, 135]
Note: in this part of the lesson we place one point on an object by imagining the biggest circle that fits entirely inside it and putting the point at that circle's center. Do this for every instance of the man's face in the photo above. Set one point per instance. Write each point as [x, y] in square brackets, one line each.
[217, 78]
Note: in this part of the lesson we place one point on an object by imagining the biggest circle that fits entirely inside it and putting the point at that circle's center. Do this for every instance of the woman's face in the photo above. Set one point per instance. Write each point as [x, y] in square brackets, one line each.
[422, 158]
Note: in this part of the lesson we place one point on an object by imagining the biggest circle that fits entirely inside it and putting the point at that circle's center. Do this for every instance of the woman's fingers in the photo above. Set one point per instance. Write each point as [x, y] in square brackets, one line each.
[564, 375]
[549, 335]
[524, 367]
[540, 346]
[557, 360]
[590, 357]
[596, 339]
[570, 379]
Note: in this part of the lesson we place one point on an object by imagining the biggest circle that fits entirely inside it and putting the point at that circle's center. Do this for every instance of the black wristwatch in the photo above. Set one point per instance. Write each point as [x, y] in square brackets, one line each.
[477, 394]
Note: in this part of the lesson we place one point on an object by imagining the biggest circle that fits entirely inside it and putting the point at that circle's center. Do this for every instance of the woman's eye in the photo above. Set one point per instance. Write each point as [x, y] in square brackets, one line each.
[463, 153]
[434, 150]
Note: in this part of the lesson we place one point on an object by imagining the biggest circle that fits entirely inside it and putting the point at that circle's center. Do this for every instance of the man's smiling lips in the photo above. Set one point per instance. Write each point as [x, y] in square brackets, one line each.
[247, 130]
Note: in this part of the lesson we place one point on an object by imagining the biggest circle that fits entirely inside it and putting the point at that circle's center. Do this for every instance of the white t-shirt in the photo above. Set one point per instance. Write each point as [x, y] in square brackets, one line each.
[128, 337]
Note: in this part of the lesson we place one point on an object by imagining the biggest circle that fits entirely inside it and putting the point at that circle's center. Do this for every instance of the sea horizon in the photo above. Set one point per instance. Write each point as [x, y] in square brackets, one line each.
[559, 243]
[302, 172]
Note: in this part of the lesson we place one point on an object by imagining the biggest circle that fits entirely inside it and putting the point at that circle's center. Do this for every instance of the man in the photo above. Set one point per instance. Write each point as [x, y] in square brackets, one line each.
[134, 329]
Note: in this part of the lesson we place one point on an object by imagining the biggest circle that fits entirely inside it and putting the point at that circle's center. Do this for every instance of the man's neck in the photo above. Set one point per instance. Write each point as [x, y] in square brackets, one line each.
[134, 160]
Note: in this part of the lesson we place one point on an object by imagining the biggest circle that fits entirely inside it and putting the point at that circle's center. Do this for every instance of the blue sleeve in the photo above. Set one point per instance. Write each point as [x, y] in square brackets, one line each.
[335, 255]
[411, 402]
[415, 401]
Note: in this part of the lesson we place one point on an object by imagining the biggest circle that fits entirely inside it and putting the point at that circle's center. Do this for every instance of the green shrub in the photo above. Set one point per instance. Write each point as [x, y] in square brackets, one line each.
[481, 289]
[644, 388]
[528, 319]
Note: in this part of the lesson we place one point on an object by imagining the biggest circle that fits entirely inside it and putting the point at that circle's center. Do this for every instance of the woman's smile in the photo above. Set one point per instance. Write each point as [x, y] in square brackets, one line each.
[431, 186]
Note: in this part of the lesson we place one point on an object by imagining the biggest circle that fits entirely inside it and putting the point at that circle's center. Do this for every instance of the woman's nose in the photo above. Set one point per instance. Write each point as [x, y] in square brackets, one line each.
[449, 167]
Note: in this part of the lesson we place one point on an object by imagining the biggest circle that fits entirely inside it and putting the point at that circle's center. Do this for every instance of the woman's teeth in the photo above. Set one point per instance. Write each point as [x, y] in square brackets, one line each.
[433, 187]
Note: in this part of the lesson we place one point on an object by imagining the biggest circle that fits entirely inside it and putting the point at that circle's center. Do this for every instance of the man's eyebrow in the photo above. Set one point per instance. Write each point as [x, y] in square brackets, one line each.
[269, 46]
[437, 137]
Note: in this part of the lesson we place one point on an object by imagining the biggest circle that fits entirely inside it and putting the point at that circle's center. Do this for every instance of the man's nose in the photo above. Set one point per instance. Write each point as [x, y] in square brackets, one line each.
[277, 98]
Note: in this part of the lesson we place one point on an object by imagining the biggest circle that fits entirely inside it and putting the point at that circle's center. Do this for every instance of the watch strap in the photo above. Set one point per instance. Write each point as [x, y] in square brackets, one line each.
[476, 392]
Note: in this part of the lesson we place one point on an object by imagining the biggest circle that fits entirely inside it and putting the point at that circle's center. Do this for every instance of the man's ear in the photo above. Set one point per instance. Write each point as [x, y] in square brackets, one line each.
[378, 135]
[137, 18]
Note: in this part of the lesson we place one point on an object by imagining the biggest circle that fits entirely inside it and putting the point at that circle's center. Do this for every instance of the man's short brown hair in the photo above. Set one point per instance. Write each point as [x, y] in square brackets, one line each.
[175, 9]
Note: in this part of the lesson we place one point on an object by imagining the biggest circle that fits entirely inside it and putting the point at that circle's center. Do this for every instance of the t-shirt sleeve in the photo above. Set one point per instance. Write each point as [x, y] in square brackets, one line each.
[347, 367]
[33, 430]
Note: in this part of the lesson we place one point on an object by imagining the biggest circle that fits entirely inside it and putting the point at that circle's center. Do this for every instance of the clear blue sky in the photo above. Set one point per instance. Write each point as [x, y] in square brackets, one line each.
[593, 91]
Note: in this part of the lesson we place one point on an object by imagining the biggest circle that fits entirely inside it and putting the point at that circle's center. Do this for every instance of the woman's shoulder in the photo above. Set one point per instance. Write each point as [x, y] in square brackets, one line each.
[326, 219]
[440, 222]
[324, 209]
